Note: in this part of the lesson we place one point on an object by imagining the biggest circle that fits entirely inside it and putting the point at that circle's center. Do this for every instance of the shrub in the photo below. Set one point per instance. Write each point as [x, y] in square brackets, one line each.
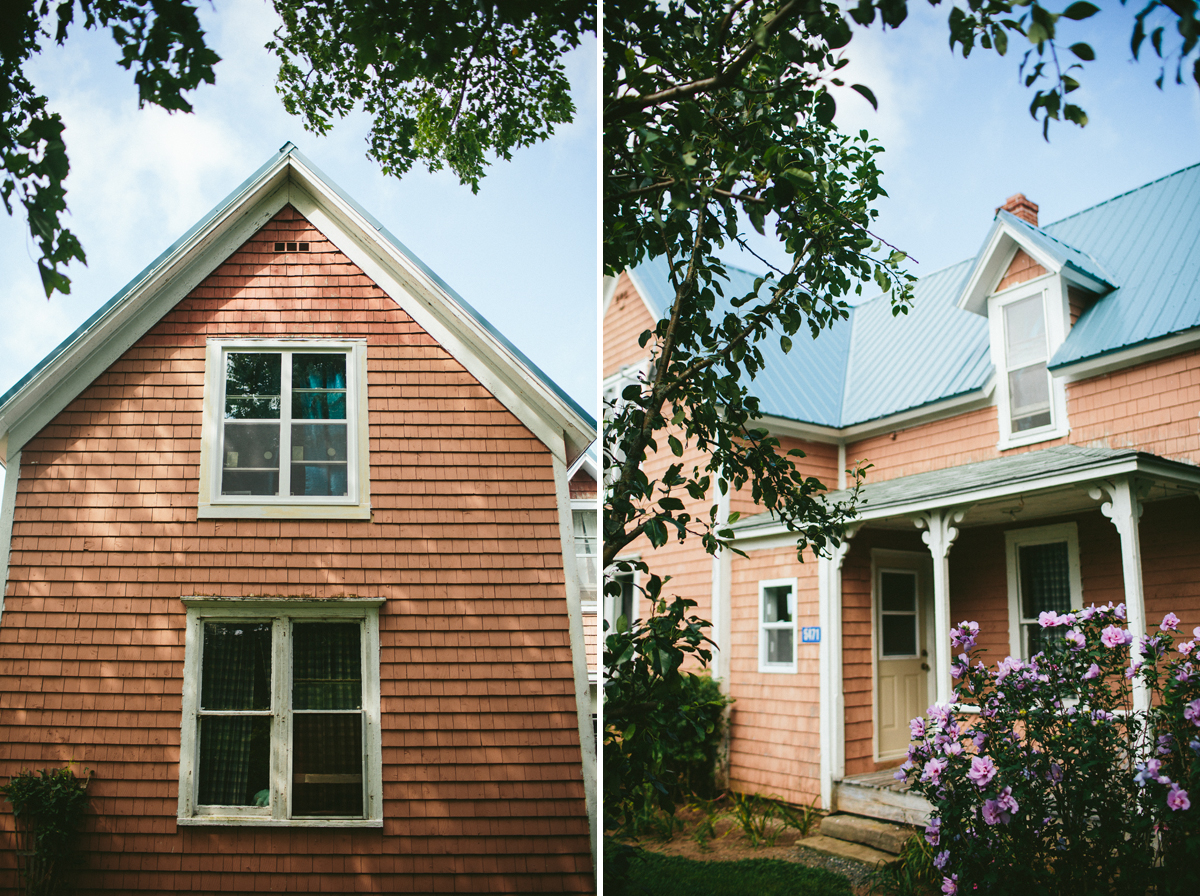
[49, 806]
[1057, 784]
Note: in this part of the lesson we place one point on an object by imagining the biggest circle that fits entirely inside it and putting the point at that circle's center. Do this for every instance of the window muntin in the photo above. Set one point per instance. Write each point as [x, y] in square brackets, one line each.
[777, 626]
[898, 614]
[285, 424]
[284, 727]
[1025, 361]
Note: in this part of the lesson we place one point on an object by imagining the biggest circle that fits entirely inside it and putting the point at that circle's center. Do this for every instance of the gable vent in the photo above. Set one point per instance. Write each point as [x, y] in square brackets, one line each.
[291, 247]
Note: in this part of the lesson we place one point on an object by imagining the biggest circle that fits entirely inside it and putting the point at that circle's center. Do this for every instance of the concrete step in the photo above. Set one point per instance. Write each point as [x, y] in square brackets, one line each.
[844, 849]
[872, 832]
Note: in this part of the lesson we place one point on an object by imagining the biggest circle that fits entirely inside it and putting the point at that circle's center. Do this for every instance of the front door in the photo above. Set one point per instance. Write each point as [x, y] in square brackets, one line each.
[901, 660]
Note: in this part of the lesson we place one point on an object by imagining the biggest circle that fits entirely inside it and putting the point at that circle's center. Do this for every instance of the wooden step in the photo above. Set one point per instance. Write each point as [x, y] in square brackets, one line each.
[881, 835]
[880, 796]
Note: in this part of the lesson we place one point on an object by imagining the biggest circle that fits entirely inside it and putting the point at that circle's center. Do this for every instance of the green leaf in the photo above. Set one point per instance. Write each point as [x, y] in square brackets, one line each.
[825, 108]
[1080, 10]
[1083, 51]
[866, 91]
[785, 343]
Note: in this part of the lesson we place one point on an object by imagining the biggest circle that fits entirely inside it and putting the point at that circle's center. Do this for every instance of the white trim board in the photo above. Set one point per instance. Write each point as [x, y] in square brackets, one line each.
[8, 507]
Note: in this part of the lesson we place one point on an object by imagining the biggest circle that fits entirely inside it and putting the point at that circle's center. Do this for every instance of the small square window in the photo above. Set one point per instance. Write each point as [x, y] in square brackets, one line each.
[281, 712]
[285, 423]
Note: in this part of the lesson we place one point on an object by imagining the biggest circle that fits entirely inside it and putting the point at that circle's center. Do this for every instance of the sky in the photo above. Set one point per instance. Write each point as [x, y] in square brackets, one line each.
[959, 139]
[523, 251]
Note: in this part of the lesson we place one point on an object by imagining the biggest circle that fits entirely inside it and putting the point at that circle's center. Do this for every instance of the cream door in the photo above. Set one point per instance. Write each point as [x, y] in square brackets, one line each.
[902, 690]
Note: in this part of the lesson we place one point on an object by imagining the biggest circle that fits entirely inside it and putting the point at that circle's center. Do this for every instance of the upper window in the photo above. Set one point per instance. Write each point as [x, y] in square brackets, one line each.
[777, 626]
[1043, 576]
[280, 713]
[586, 552]
[1025, 359]
[285, 424]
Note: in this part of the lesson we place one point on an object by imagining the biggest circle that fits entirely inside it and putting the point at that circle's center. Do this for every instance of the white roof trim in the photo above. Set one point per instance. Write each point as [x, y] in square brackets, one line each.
[993, 260]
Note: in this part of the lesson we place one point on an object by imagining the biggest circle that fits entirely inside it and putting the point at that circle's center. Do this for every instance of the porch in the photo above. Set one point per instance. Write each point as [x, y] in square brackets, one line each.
[880, 795]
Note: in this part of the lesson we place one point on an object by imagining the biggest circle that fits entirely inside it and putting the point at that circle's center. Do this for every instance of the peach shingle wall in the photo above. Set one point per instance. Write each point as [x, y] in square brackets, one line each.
[481, 760]
[624, 322]
[1020, 269]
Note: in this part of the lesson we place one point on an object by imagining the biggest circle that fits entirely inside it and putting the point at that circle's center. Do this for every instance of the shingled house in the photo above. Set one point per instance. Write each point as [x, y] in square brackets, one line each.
[287, 560]
[1033, 429]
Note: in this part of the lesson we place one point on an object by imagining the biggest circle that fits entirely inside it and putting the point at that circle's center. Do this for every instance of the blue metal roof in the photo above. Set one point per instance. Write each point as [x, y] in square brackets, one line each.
[1145, 243]
[1150, 239]
[290, 149]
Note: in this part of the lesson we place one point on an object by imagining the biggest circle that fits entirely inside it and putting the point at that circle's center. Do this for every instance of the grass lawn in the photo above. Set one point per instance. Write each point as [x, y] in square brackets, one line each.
[659, 875]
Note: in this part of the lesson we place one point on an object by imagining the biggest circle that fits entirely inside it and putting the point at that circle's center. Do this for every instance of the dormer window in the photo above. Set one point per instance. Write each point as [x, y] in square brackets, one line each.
[1025, 357]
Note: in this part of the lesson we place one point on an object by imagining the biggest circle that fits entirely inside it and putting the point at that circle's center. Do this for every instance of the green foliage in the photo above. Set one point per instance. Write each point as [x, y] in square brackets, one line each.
[160, 42]
[912, 873]
[763, 818]
[49, 806]
[1060, 776]
[447, 82]
[630, 871]
[659, 723]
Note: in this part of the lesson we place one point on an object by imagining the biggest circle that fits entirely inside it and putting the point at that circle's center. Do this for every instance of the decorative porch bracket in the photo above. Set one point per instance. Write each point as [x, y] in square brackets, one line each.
[833, 700]
[940, 534]
[1124, 509]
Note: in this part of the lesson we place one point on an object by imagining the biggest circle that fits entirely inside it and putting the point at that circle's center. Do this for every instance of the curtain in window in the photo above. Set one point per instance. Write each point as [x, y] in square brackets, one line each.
[1045, 585]
[234, 750]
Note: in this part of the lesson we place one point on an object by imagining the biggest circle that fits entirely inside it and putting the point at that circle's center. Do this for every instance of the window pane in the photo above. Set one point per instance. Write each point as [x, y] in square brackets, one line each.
[319, 442]
[323, 371]
[898, 592]
[327, 764]
[899, 635]
[323, 481]
[235, 761]
[251, 462]
[1024, 332]
[779, 645]
[1045, 578]
[1029, 389]
[252, 385]
[775, 604]
[236, 666]
[326, 665]
[312, 375]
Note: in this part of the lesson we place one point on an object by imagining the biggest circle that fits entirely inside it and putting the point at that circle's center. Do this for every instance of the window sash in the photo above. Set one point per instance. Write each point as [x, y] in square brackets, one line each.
[366, 770]
[777, 651]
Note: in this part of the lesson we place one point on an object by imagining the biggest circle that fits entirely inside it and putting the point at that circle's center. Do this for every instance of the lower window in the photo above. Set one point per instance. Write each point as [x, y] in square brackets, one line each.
[1043, 576]
[281, 713]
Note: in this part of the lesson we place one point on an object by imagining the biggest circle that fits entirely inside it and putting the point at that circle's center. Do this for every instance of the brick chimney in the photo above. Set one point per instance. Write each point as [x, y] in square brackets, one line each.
[1021, 207]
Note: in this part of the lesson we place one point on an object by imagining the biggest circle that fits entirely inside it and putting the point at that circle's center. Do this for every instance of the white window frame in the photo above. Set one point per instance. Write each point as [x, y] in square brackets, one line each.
[587, 505]
[281, 612]
[916, 614]
[1014, 539]
[764, 627]
[610, 615]
[355, 504]
[1057, 317]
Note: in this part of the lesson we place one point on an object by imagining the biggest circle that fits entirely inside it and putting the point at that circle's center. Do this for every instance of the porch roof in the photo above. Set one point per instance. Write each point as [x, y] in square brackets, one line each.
[968, 484]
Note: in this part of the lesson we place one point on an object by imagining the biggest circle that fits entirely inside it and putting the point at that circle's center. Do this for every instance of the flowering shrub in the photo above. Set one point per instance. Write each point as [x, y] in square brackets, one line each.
[1053, 784]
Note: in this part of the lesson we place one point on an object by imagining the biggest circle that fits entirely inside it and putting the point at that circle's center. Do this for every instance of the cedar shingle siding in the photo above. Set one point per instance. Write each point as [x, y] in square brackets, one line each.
[481, 759]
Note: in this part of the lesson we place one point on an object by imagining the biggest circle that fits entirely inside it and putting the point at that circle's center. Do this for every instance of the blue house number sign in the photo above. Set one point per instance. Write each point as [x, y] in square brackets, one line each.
[810, 634]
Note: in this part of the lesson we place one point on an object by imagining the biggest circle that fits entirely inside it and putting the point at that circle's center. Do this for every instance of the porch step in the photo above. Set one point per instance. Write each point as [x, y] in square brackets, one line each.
[844, 849]
[880, 835]
[879, 795]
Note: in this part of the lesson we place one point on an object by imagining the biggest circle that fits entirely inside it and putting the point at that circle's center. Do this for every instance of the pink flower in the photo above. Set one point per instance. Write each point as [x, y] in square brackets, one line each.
[941, 859]
[1112, 636]
[950, 885]
[933, 770]
[1192, 713]
[1006, 802]
[1075, 639]
[933, 832]
[1178, 799]
[983, 769]
[1170, 623]
[1048, 619]
[1092, 672]
[1187, 647]
[917, 727]
[1196, 632]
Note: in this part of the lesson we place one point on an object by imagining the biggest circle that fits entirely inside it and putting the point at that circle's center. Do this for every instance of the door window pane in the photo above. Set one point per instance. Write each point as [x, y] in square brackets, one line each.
[899, 635]
[1045, 582]
[898, 614]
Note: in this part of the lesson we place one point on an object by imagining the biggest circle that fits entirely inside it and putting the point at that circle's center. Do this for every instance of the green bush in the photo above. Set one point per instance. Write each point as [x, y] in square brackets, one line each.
[49, 806]
[692, 746]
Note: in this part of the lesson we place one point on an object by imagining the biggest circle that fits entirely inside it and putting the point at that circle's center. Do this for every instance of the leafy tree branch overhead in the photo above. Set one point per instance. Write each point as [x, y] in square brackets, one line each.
[448, 83]
[720, 113]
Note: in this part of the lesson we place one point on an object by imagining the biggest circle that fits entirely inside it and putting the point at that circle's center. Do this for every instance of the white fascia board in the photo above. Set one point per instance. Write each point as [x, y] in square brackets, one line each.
[545, 414]
[993, 261]
[1085, 281]
[1128, 357]
[94, 350]
[608, 290]
[829, 435]
[587, 464]
[775, 535]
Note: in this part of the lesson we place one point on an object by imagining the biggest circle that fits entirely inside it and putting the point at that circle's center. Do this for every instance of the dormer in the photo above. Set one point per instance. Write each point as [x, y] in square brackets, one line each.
[1031, 288]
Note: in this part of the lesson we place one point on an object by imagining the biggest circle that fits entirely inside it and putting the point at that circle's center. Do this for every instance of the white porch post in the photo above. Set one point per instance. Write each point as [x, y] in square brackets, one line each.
[833, 701]
[1124, 509]
[722, 566]
[940, 534]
